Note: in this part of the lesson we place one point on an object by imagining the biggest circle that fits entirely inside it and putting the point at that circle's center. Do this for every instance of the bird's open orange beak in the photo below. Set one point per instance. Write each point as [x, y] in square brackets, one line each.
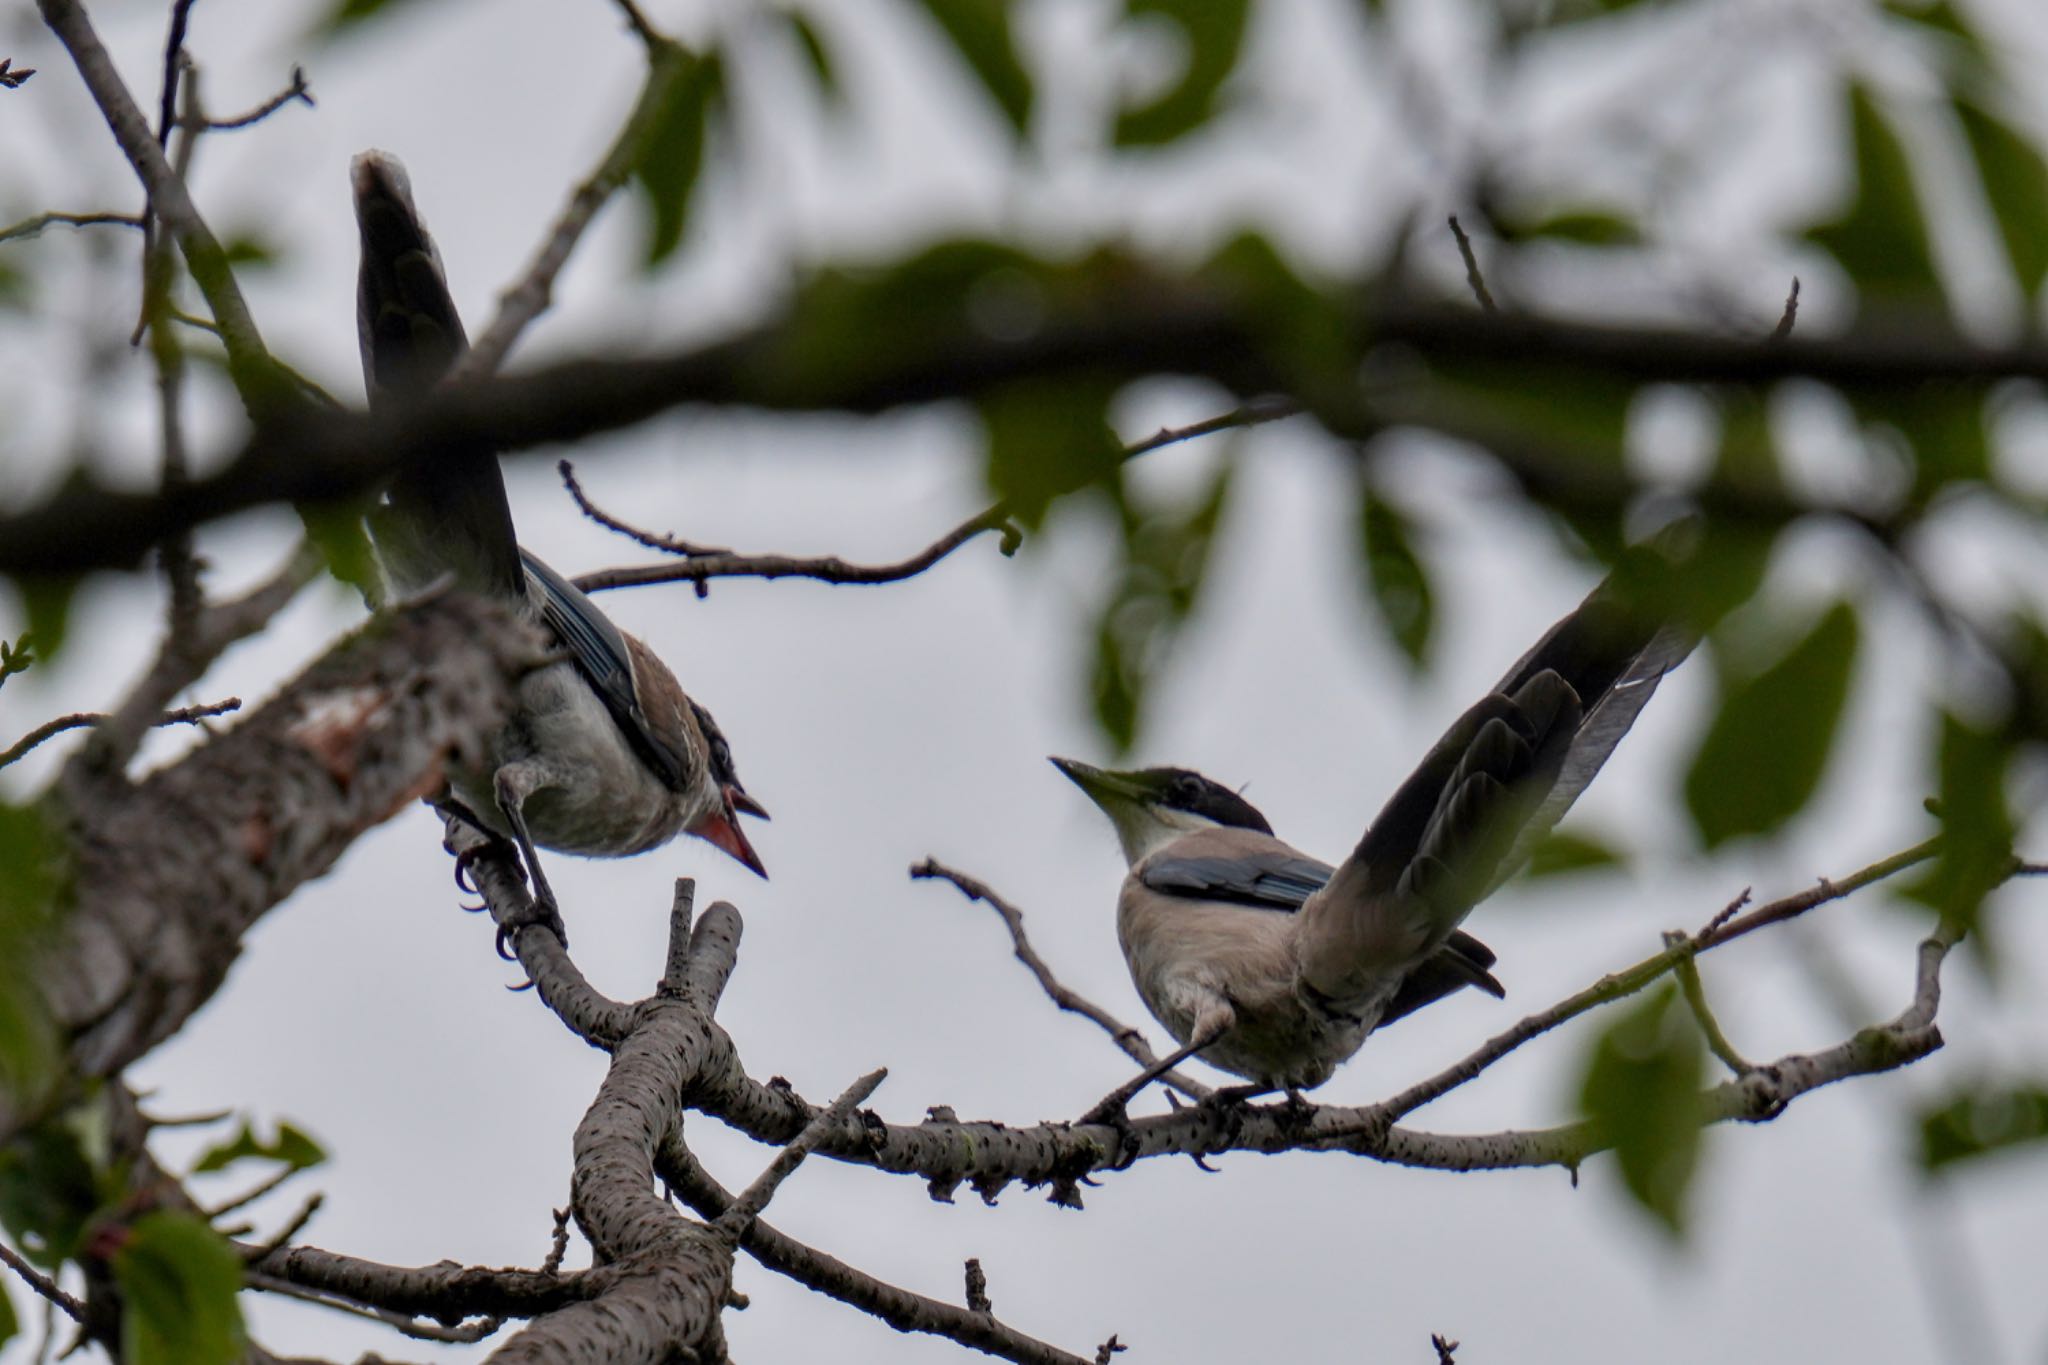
[723, 830]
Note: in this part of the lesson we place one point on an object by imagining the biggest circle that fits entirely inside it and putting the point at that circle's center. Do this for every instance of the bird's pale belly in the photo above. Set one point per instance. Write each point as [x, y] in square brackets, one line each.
[1283, 1040]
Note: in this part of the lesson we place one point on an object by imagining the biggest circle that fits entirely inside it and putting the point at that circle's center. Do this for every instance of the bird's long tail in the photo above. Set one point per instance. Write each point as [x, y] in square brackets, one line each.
[446, 514]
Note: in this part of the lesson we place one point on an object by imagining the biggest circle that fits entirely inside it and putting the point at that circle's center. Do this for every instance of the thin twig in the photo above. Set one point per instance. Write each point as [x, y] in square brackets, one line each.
[41, 1283]
[1790, 315]
[1629, 981]
[252, 1194]
[900, 1308]
[1446, 1349]
[1695, 991]
[638, 21]
[285, 1235]
[526, 300]
[1472, 275]
[1123, 1035]
[30, 227]
[704, 562]
[184, 715]
[297, 90]
[733, 1223]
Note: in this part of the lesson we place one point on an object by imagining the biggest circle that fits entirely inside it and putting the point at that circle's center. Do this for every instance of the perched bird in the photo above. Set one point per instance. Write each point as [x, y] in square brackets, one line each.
[1275, 966]
[605, 754]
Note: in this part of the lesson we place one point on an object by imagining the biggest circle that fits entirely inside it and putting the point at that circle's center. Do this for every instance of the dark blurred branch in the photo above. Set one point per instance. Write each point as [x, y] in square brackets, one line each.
[42, 1284]
[1154, 327]
[1472, 275]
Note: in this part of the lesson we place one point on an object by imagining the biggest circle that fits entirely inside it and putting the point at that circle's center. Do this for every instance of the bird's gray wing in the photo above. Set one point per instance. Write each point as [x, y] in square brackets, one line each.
[1273, 880]
[1498, 780]
[1265, 879]
[599, 650]
[446, 514]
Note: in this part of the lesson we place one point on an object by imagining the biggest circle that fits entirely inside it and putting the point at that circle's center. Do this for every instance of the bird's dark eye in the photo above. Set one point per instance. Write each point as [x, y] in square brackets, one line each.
[1187, 788]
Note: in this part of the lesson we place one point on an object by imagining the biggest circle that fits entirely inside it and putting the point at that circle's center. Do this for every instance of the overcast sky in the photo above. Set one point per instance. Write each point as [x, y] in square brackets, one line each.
[882, 725]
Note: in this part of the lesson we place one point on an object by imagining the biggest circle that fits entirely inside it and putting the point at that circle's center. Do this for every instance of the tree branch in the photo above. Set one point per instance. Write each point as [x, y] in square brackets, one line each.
[184, 715]
[1131, 1040]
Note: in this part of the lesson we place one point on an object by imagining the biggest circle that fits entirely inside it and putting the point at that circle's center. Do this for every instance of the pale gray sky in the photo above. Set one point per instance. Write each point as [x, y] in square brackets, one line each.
[882, 725]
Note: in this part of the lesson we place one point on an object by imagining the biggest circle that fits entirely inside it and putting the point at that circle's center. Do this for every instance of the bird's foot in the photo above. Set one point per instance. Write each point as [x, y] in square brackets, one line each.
[541, 913]
[1225, 1108]
[1296, 1114]
[1113, 1113]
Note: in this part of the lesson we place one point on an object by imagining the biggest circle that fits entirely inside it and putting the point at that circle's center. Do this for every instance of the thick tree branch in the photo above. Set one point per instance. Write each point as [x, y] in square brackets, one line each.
[167, 875]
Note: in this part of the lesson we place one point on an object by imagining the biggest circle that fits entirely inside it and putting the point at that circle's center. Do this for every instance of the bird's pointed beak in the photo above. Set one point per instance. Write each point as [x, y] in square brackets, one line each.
[1109, 790]
[745, 804]
[722, 829]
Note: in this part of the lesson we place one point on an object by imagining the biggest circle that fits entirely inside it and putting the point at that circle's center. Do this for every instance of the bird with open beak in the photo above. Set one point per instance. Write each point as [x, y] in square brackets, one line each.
[1275, 966]
[605, 754]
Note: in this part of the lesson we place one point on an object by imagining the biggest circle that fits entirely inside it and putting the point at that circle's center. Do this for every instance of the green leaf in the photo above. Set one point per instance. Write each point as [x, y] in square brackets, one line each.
[337, 531]
[179, 1280]
[1214, 30]
[251, 249]
[1641, 1092]
[291, 1146]
[1561, 854]
[1395, 577]
[671, 153]
[2015, 179]
[9, 1324]
[350, 13]
[1748, 452]
[49, 1191]
[1976, 825]
[1769, 742]
[1940, 16]
[32, 881]
[46, 602]
[1166, 559]
[1982, 1120]
[816, 55]
[1047, 438]
[1881, 239]
[1588, 227]
[1942, 424]
[980, 33]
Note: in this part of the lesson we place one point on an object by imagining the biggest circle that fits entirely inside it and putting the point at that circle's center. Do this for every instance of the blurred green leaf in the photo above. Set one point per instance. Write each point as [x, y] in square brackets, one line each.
[1214, 30]
[816, 55]
[9, 1324]
[179, 1280]
[1301, 329]
[14, 286]
[1394, 575]
[1984, 1119]
[1166, 558]
[1047, 438]
[292, 1147]
[1748, 452]
[672, 155]
[49, 1191]
[980, 33]
[251, 249]
[1940, 16]
[46, 602]
[31, 882]
[1769, 742]
[1944, 426]
[350, 13]
[1561, 854]
[1881, 239]
[1588, 227]
[1976, 825]
[2015, 179]
[1641, 1092]
[337, 531]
